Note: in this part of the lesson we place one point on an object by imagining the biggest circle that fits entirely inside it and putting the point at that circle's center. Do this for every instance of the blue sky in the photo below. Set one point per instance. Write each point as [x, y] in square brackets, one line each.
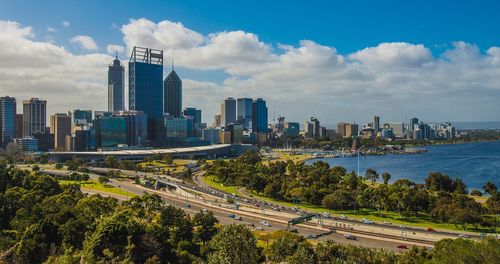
[451, 33]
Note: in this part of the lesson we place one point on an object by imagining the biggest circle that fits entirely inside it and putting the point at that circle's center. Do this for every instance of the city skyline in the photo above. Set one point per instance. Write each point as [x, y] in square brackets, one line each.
[454, 82]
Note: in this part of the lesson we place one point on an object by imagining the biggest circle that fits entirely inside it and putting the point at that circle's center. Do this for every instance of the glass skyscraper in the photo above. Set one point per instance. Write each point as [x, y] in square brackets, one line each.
[146, 81]
[116, 86]
[245, 112]
[172, 92]
[7, 119]
[228, 111]
[259, 115]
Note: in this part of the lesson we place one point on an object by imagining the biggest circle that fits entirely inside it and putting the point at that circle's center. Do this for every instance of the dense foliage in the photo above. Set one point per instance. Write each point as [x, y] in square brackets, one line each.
[441, 198]
[43, 222]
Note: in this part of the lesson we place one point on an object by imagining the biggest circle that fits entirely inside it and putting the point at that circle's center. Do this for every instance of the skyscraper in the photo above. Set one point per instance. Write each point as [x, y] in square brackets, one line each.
[413, 122]
[60, 126]
[172, 92]
[80, 118]
[244, 117]
[116, 86]
[34, 116]
[316, 127]
[7, 119]
[195, 114]
[259, 115]
[376, 123]
[146, 81]
[19, 126]
[228, 111]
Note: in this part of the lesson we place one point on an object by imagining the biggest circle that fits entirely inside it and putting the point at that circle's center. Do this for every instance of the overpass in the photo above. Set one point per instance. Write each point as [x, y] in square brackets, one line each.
[211, 151]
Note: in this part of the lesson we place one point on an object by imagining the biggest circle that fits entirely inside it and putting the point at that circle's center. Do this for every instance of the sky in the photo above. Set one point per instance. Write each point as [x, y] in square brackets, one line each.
[335, 60]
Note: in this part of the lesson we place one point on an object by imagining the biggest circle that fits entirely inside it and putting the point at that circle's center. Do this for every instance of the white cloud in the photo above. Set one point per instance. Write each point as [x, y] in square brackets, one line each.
[84, 42]
[66, 24]
[51, 29]
[298, 80]
[31, 68]
[112, 49]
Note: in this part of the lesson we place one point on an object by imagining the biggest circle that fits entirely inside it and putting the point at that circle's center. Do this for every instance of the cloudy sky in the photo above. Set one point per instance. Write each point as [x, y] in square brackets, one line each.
[335, 61]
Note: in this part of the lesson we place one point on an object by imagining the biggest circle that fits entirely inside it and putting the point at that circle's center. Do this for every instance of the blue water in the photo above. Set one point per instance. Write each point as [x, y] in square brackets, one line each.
[475, 163]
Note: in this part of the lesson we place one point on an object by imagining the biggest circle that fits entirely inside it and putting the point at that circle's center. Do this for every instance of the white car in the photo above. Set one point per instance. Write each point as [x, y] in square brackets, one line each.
[343, 216]
[265, 223]
[237, 218]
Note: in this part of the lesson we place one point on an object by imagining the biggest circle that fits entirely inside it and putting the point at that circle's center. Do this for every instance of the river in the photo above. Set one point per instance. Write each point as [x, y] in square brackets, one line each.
[476, 163]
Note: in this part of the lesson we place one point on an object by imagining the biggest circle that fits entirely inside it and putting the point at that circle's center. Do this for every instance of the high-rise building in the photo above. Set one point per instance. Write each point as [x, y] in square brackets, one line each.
[259, 115]
[178, 127]
[80, 118]
[146, 81]
[376, 124]
[351, 130]
[308, 129]
[397, 129]
[172, 92]
[413, 122]
[316, 127]
[116, 86]
[212, 135]
[217, 120]
[341, 127]
[125, 127]
[34, 116]
[244, 117]
[195, 114]
[228, 111]
[19, 126]
[7, 119]
[29, 144]
[60, 126]
[292, 129]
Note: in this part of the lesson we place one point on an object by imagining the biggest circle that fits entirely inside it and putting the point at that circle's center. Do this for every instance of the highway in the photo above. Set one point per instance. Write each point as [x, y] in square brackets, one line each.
[251, 215]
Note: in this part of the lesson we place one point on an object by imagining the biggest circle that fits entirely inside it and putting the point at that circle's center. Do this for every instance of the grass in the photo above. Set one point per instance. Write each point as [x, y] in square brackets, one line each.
[393, 217]
[97, 186]
[210, 181]
[178, 165]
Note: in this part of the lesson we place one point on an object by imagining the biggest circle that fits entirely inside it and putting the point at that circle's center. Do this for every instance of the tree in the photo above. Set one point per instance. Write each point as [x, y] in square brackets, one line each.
[386, 176]
[371, 175]
[284, 246]
[111, 162]
[490, 188]
[13, 152]
[103, 180]
[234, 244]
[206, 225]
[338, 200]
[476, 192]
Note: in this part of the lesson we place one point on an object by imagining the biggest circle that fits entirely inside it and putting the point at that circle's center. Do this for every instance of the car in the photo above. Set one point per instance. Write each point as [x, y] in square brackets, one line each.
[187, 205]
[367, 221]
[463, 236]
[259, 228]
[237, 218]
[430, 229]
[265, 223]
[204, 210]
[294, 230]
[326, 215]
[402, 246]
[350, 237]
[251, 225]
[343, 216]
[312, 236]
[231, 215]
[387, 223]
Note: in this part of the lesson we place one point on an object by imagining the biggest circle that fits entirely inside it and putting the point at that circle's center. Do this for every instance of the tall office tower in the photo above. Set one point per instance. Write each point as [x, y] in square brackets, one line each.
[316, 127]
[413, 122]
[259, 115]
[308, 129]
[60, 126]
[341, 127]
[7, 120]
[19, 126]
[228, 111]
[244, 117]
[34, 116]
[217, 120]
[376, 123]
[172, 92]
[116, 86]
[145, 80]
[351, 130]
[195, 114]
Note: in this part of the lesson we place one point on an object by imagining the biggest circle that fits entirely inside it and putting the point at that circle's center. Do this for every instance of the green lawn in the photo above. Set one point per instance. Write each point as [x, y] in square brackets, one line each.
[97, 186]
[210, 181]
[393, 217]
